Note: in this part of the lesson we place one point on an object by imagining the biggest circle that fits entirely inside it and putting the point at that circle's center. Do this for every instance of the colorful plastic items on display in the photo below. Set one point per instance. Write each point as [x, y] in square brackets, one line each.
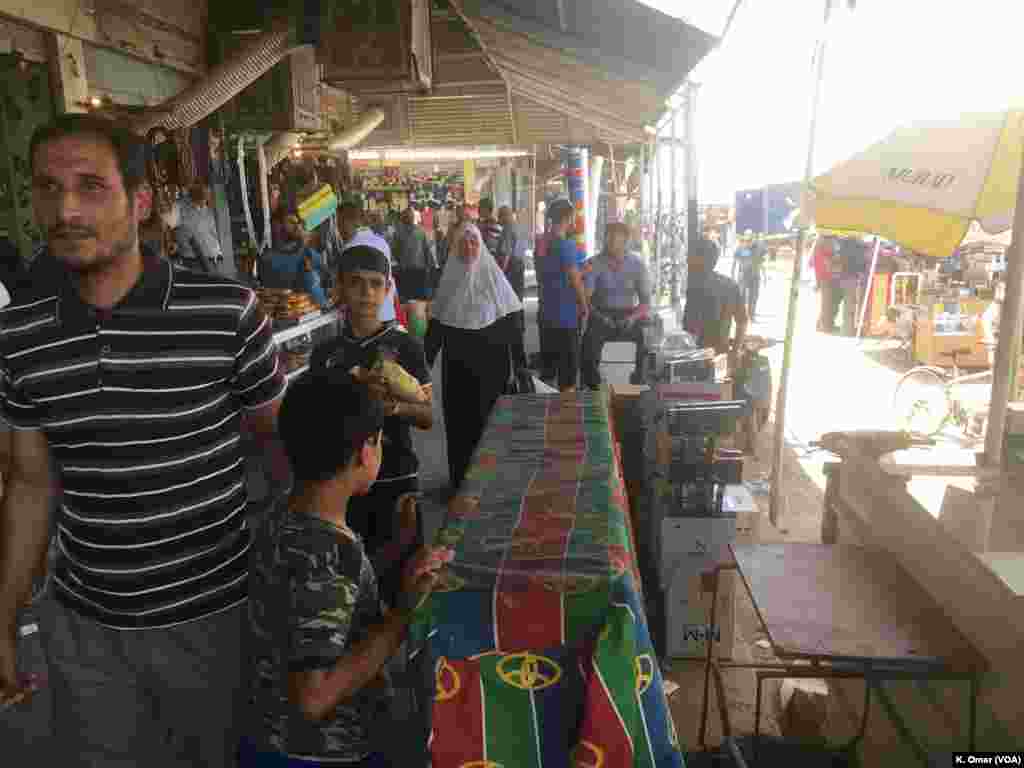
[318, 208]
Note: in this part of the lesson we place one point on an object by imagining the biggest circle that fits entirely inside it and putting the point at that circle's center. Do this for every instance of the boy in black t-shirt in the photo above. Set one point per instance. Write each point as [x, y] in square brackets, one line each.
[386, 518]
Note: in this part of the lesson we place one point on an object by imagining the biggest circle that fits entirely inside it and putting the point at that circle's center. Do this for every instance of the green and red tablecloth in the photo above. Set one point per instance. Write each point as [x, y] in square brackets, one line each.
[537, 634]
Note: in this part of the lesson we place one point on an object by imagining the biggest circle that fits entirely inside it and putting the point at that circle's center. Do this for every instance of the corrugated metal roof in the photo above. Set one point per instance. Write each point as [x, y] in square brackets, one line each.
[461, 120]
[537, 124]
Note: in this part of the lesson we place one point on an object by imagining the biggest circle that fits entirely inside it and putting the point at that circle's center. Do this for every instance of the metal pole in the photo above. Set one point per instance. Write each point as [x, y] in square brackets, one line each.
[533, 200]
[794, 288]
[657, 219]
[692, 223]
[1011, 326]
[867, 290]
[673, 254]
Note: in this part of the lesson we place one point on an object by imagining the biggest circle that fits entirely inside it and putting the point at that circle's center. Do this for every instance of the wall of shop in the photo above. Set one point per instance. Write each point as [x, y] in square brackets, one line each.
[130, 81]
[169, 33]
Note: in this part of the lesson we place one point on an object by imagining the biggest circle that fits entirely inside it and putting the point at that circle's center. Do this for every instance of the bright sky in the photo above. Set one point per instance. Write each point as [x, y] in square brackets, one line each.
[889, 63]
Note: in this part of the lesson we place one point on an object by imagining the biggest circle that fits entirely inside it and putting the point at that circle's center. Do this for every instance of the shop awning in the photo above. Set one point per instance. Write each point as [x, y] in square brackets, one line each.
[607, 63]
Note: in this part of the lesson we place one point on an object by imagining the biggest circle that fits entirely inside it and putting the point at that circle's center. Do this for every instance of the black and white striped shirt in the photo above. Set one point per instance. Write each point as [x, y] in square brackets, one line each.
[142, 406]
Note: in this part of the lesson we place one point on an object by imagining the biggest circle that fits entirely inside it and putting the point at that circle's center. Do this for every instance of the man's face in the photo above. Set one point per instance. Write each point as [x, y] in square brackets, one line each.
[695, 261]
[78, 195]
[408, 217]
[506, 217]
[347, 225]
[293, 228]
[617, 244]
[564, 224]
[469, 248]
[364, 292]
[486, 211]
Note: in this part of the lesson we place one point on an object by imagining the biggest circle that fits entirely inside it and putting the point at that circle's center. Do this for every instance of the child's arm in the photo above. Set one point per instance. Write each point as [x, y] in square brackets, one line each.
[318, 689]
[418, 414]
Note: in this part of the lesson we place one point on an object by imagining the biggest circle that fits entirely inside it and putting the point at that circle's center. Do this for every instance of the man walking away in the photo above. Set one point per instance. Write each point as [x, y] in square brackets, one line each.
[412, 270]
[619, 301]
[564, 298]
[130, 378]
[750, 275]
[822, 261]
[713, 304]
[513, 247]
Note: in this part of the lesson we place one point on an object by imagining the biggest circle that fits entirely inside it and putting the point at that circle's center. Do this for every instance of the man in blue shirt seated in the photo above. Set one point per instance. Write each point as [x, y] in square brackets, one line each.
[620, 298]
[292, 264]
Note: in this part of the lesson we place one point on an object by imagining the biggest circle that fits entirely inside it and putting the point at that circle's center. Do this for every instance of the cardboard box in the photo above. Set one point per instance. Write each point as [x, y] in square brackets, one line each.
[688, 615]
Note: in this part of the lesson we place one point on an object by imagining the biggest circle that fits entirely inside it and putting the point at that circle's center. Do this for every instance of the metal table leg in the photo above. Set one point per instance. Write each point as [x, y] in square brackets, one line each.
[702, 740]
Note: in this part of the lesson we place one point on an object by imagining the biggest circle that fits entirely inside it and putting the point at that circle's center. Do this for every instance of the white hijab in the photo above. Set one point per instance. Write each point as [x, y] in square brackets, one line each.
[473, 296]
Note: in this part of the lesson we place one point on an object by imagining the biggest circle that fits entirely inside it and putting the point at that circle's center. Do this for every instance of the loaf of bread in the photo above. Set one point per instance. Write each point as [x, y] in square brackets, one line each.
[403, 385]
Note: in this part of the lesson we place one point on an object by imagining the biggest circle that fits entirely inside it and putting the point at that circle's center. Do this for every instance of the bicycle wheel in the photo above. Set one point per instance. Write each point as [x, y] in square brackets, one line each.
[920, 403]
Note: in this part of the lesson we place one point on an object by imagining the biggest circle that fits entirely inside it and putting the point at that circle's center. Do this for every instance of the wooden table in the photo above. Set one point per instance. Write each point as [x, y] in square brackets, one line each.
[849, 612]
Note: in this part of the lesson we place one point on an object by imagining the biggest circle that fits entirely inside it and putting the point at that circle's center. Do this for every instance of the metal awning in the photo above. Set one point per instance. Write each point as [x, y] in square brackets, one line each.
[535, 72]
[608, 63]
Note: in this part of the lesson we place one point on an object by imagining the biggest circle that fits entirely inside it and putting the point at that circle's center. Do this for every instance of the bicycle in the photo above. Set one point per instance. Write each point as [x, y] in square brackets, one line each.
[926, 399]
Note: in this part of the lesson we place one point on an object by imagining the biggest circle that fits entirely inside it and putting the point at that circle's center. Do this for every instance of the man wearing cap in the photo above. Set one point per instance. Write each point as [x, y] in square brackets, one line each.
[385, 518]
[352, 220]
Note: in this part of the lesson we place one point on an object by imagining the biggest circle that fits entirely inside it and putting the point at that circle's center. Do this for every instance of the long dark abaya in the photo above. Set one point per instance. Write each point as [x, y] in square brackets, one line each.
[474, 374]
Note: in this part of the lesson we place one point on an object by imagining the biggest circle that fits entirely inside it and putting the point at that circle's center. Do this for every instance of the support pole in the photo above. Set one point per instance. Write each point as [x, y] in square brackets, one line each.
[692, 222]
[794, 288]
[656, 223]
[673, 254]
[1011, 326]
[867, 289]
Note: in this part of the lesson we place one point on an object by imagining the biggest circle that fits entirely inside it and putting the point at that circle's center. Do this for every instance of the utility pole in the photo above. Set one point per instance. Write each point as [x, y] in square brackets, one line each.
[794, 289]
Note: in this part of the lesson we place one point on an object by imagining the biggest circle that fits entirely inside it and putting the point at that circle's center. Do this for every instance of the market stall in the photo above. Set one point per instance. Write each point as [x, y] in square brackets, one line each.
[540, 615]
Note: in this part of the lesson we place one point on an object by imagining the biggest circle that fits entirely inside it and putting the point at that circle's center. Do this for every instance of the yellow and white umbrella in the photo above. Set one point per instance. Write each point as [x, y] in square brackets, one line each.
[925, 184]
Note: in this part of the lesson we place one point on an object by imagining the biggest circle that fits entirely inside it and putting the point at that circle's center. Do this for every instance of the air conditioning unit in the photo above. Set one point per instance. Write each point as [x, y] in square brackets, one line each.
[377, 47]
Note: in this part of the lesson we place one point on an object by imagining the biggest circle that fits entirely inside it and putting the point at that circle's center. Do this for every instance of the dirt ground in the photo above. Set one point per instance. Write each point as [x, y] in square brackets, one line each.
[937, 722]
[800, 521]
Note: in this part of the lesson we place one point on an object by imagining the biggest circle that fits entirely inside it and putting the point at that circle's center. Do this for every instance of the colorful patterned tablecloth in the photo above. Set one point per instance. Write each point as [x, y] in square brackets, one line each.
[537, 635]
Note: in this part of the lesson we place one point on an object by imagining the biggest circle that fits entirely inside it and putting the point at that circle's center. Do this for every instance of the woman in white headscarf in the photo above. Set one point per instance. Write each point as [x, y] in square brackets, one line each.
[474, 323]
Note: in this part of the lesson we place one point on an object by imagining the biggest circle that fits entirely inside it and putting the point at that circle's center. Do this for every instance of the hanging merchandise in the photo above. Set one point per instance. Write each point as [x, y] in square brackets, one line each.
[250, 227]
[261, 163]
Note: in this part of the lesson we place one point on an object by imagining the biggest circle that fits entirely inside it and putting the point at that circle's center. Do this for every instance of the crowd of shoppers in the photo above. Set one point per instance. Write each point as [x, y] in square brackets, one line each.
[185, 627]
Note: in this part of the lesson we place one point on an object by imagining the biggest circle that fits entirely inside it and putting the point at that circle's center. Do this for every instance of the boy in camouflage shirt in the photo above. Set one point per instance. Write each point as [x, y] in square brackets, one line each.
[321, 639]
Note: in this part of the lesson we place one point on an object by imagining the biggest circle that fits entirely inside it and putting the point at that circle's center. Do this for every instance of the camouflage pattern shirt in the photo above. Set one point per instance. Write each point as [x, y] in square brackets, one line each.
[314, 595]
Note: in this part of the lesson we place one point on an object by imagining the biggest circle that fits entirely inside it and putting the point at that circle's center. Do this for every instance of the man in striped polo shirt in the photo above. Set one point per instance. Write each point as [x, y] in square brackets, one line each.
[131, 378]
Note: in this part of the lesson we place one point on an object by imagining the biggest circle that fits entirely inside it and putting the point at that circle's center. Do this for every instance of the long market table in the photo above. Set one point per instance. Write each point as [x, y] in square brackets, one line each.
[537, 634]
